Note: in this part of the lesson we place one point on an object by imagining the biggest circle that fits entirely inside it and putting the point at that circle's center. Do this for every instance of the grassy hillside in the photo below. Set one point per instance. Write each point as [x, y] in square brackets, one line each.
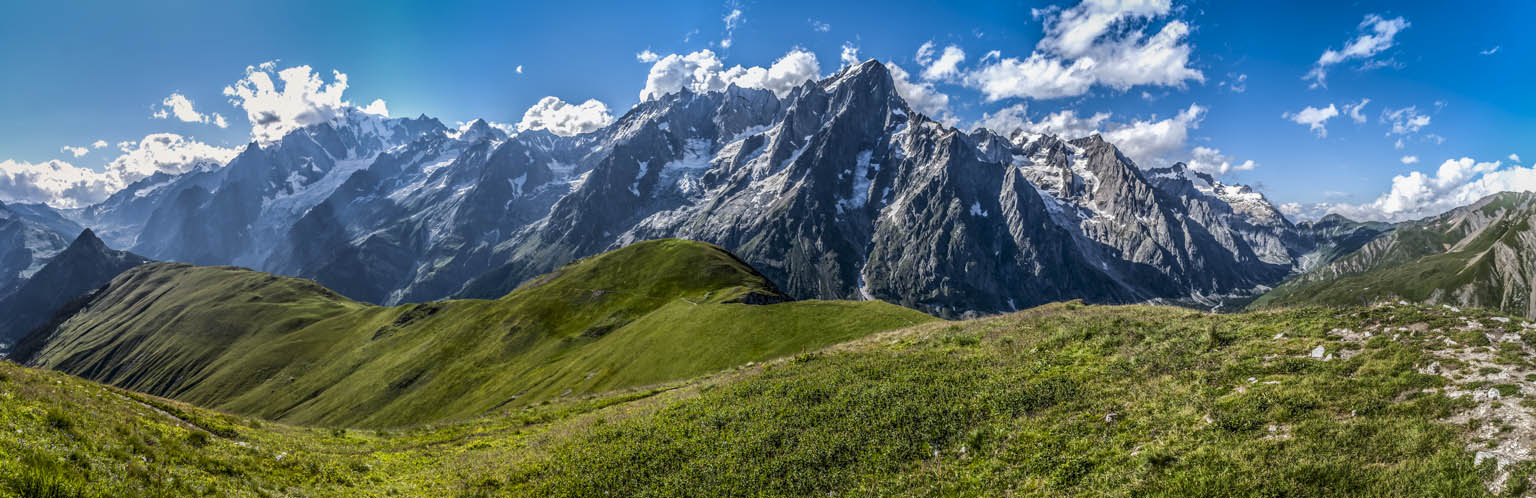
[1481, 255]
[1060, 400]
[287, 349]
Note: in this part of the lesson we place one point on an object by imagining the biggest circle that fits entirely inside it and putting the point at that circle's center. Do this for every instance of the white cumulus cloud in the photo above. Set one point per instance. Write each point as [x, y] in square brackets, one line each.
[921, 95]
[181, 108]
[1209, 160]
[277, 102]
[1409, 159]
[647, 56]
[849, 55]
[166, 153]
[565, 119]
[99, 144]
[1097, 42]
[55, 183]
[702, 71]
[1066, 124]
[1316, 119]
[946, 66]
[1148, 142]
[64, 185]
[1417, 194]
[1376, 34]
[1514, 157]
[76, 151]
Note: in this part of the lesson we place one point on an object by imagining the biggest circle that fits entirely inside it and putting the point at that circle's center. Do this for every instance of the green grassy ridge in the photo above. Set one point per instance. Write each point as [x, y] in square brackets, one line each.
[1424, 260]
[1054, 401]
[287, 349]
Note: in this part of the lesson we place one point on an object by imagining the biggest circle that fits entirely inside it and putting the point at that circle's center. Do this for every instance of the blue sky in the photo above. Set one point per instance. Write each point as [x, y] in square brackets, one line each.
[83, 72]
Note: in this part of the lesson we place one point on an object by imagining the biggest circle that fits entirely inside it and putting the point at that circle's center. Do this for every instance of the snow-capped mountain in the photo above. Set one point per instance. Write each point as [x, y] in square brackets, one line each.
[234, 214]
[836, 190]
[840, 190]
[30, 234]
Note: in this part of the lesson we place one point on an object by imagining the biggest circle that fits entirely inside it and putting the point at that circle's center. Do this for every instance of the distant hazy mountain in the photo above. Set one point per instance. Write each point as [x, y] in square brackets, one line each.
[84, 266]
[837, 190]
[1481, 255]
[30, 234]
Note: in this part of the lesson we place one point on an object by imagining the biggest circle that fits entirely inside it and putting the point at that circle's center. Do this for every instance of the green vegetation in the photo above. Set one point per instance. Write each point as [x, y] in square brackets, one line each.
[289, 350]
[1479, 255]
[1053, 401]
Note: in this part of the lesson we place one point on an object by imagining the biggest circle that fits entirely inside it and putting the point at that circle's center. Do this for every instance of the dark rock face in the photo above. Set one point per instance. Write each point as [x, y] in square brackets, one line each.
[29, 236]
[87, 264]
[847, 193]
[837, 190]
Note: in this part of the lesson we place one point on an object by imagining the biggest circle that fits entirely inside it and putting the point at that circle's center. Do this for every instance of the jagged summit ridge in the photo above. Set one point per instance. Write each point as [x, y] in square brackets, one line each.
[838, 189]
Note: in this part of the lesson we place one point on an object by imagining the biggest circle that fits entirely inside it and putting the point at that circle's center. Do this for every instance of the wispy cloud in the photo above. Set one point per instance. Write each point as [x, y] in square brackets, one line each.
[1377, 34]
[732, 19]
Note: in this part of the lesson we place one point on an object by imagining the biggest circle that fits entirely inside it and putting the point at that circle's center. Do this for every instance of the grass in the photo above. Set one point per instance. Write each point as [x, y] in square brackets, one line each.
[1054, 401]
[289, 350]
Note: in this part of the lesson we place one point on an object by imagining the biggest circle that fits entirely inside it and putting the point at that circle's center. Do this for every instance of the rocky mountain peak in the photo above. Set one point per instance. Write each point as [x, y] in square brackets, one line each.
[837, 189]
[479, 130]
[87, 241]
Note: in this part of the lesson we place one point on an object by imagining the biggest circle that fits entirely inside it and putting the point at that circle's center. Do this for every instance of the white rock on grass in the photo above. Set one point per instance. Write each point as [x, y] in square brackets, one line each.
[1317, 352]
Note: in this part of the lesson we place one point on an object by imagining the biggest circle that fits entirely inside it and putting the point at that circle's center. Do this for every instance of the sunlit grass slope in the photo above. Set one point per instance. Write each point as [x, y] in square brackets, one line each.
[287, 349]
[1062, 400]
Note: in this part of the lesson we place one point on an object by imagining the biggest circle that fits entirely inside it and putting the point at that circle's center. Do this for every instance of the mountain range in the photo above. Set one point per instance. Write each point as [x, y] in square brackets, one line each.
[834, 190]
[1480, 255]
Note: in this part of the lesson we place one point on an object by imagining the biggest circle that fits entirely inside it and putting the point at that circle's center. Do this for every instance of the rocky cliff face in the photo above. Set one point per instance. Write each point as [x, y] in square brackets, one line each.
[841, 191]
[836, 190]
